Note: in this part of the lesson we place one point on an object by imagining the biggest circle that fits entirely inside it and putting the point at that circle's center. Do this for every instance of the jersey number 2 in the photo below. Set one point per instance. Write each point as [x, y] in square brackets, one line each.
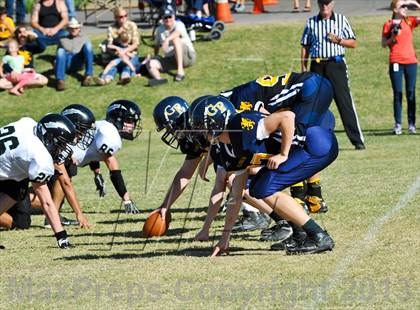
[7, 140]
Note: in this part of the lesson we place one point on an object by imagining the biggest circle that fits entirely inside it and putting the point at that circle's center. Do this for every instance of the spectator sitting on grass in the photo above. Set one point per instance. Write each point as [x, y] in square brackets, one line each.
[177, 47]
[18, 76]
[128, 59]
[27, 47]
[7, 27]
[74, 51]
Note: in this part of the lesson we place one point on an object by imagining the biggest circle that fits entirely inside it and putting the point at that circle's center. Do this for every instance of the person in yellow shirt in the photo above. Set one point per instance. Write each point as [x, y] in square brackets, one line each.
[7, 26]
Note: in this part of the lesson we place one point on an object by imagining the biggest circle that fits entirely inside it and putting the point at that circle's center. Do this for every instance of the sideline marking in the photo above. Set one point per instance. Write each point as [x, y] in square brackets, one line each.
[363, 245]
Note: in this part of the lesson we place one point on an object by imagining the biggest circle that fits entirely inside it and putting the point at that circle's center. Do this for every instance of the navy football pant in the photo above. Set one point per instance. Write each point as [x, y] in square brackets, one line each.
[319, 151]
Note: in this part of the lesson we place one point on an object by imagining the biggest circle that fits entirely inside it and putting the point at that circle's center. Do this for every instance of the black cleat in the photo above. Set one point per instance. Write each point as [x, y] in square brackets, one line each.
[253, 221]
[298, 237]
[279, 232]
[316, 204]
[318, 243]
[2, 247]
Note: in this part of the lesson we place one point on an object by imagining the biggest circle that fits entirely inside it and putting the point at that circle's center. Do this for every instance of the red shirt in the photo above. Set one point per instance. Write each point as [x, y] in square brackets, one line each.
[403, 51]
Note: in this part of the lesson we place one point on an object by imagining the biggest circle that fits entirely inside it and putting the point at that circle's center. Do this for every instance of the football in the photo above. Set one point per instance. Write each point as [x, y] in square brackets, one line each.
[155, 226]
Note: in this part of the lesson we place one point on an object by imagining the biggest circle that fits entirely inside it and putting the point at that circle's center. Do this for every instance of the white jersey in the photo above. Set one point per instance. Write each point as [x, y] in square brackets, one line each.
[106, 141]
[22, 154]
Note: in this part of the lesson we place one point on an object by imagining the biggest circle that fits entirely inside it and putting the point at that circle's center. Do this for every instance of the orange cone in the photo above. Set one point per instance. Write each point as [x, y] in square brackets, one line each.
[270, 2]
[258, 7]
[223, 11]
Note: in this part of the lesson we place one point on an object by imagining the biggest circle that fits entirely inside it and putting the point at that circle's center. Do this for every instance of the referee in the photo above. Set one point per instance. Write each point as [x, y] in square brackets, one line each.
[324, 38]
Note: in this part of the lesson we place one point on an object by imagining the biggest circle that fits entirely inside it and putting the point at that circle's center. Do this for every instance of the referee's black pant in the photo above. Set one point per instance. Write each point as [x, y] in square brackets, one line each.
[336, 72]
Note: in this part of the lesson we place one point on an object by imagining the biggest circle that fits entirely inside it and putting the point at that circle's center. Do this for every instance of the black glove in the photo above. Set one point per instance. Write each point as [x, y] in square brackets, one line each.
[130, 207]
[100, 184]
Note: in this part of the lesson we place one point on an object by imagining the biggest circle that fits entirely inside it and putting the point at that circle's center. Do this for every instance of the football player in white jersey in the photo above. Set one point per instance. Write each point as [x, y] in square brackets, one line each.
[27, 153]
[61, 185]
[122, 121]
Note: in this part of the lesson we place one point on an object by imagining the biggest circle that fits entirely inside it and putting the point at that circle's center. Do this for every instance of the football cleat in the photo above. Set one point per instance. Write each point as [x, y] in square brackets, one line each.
[318, 243]
[64, 221]
[2, 247]
[279, 232]
[281, 246]
[253, 221]
[316, 204]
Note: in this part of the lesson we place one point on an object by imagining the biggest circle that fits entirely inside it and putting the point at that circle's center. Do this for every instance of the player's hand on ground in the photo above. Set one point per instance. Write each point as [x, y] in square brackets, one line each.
[275, 161]
[222, 247]
[130, 207]
[100, 184]
[83, 222]
[202, 236]
[162, 212]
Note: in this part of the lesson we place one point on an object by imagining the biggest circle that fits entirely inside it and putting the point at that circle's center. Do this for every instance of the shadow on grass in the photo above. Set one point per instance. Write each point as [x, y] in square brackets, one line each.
[129, 234]
[173, 210]
[194, 252]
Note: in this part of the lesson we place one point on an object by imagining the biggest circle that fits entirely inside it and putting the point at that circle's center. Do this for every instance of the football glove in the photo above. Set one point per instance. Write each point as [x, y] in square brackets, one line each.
[62, 240]
[100, 184]
[130, 207]
[64, 243]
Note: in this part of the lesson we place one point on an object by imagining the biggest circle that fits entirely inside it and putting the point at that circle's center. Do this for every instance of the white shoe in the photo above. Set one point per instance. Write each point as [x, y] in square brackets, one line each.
[397, 129]
[240, 8]
[411, 129]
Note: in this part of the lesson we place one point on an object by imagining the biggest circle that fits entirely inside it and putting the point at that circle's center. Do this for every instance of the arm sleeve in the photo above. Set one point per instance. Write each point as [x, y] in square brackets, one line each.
[413, 21]
[41, 169]
[107, 143]
[135, 33]
[306, 39]
[347, 30]
[386, 29]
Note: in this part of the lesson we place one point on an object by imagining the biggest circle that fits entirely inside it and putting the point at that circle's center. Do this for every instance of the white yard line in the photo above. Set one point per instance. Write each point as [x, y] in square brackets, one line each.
[356, 251]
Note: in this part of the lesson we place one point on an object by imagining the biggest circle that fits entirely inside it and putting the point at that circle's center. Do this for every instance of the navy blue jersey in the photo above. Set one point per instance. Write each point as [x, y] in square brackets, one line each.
[245, 150]
[223, 155]
[268, 92]
[306, 94]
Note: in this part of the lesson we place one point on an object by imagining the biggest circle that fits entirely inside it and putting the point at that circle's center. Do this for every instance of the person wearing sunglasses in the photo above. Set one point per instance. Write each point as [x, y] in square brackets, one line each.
[114, 50]
[397, 34]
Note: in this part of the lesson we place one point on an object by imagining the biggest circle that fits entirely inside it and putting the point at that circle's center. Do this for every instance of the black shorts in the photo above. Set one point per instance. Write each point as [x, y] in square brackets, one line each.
[21, 214]
[16, 190]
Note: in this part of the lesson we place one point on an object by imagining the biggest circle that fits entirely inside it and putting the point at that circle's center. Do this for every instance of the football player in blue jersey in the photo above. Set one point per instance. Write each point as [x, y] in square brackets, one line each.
[252, 136]
[171, 118]
[266, 94]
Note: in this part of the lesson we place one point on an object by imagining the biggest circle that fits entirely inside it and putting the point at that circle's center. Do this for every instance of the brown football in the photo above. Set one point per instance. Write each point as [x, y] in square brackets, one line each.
[155, 226]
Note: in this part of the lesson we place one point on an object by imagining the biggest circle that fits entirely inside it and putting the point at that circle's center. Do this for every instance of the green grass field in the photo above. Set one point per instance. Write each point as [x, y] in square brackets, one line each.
[373, 197]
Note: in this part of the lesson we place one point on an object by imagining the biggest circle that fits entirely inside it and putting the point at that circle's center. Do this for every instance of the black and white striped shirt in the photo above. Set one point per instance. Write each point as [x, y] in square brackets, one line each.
[316, 31]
